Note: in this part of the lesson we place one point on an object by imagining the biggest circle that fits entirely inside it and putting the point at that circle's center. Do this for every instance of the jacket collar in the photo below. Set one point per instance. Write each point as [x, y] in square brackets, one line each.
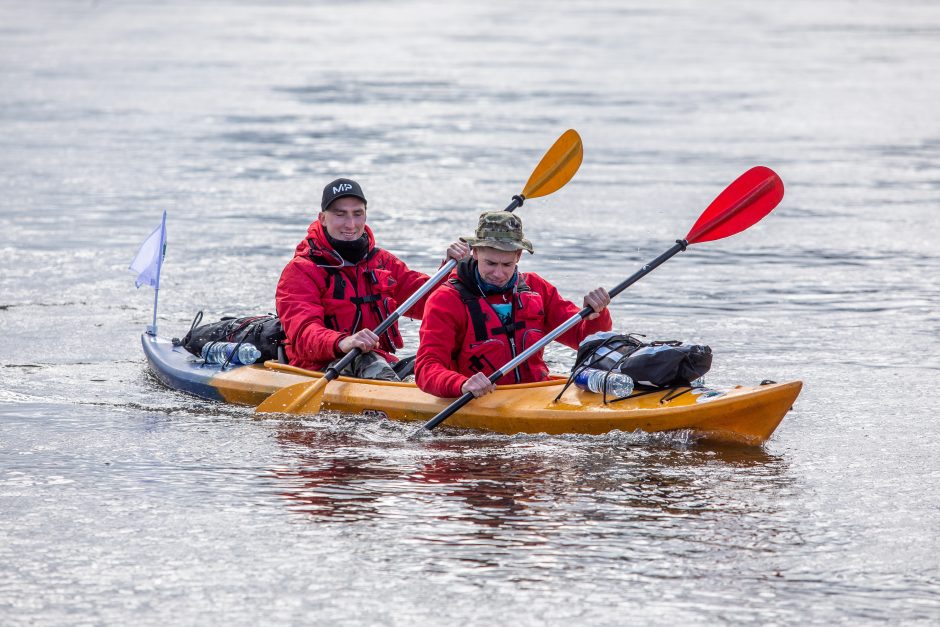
[318, 248]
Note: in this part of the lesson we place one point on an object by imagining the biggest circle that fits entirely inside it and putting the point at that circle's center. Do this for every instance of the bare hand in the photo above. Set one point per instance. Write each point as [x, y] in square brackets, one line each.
[457, 251]
[364, 340]
[597, 299]
[478, 385]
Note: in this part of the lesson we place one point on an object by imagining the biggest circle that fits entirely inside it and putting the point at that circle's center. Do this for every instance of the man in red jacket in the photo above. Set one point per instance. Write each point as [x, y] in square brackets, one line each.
[488, 312]
[339, 286]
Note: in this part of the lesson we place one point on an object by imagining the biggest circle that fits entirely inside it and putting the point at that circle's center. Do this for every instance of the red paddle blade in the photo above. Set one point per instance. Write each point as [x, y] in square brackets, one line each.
[743, 203]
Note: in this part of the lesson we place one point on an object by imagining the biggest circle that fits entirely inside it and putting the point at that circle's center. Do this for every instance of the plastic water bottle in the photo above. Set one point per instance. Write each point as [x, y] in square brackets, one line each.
[592, 379]
[218, 352]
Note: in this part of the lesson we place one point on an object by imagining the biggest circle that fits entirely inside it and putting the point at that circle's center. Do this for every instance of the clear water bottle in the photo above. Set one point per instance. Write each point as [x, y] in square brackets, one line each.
[592, 380]
[218, 352]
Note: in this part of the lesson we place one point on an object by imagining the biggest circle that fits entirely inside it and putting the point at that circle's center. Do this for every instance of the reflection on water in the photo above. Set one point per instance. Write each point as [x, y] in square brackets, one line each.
[526, 506]
[497, 482]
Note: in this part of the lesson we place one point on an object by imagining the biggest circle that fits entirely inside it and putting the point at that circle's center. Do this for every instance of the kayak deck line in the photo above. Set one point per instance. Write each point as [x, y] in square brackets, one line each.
[313, 374]
[668, 394]
[747, 415]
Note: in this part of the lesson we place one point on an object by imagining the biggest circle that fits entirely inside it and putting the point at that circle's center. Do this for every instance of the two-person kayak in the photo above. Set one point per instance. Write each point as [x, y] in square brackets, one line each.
[745, 415]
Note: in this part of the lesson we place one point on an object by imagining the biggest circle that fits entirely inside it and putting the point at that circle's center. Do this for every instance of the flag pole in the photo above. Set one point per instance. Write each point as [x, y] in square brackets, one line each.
[152, 329]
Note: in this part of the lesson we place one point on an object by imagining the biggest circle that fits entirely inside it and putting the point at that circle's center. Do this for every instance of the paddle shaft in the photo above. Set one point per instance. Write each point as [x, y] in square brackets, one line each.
[679, 246]
[333, 371]
[517, 201]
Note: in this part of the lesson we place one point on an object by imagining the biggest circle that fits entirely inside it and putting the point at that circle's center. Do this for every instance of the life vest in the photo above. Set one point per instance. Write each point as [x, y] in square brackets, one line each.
[490, 343]
[345, 300]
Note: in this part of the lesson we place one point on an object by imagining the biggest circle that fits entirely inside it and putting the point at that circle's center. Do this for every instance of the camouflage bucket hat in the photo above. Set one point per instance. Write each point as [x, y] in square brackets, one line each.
[501, 230]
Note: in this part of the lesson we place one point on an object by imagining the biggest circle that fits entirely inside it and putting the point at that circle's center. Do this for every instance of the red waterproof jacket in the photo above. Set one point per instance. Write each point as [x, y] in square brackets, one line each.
[454, 346]
[321, 298]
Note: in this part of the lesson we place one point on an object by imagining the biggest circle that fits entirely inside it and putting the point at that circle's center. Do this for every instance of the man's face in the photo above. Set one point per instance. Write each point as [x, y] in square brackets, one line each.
[345, 218]
[496, 266]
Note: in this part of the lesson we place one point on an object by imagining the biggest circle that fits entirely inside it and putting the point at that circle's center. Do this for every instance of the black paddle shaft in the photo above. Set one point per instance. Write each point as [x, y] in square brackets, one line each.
[678, 247]
[517, 201]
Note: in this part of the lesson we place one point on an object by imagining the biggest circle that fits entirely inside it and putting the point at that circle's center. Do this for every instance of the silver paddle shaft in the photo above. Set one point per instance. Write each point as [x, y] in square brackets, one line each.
[408, 304]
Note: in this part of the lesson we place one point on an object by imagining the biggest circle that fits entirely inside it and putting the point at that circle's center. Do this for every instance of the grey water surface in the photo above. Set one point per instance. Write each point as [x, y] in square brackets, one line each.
[122, 502]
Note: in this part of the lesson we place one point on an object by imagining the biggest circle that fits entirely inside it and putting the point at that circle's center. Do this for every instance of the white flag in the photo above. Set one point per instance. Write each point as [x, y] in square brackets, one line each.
[149, 258]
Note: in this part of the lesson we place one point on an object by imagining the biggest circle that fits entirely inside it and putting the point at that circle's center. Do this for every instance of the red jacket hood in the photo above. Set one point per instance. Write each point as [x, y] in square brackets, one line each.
[316, 235]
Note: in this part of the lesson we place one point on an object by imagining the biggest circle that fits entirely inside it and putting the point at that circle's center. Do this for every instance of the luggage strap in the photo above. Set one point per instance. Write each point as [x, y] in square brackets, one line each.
[590, 360]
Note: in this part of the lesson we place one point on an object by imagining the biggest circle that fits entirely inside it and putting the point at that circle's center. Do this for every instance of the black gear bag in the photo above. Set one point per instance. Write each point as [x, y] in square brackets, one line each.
[264, 332]
[659, 364]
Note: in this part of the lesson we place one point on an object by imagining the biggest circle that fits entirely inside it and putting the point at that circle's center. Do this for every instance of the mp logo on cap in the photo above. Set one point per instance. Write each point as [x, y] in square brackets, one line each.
[343, 187]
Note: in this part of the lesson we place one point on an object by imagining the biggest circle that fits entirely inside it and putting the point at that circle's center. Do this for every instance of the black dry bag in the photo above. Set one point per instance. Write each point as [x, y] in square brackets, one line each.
[264, 332]
[657, 364]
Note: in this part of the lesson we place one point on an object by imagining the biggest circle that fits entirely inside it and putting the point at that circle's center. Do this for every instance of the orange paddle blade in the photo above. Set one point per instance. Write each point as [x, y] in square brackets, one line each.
[557, 166]
[300, 398]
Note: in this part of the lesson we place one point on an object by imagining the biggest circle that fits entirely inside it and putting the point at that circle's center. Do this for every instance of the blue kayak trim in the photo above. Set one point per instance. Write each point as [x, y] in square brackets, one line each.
[179, 369]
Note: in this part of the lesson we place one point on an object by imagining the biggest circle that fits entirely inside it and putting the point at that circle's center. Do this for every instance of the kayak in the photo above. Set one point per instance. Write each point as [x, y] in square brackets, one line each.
[746, 415]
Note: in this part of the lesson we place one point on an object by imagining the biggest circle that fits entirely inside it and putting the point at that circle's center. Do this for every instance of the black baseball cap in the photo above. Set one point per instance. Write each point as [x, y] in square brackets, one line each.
[340, 188]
